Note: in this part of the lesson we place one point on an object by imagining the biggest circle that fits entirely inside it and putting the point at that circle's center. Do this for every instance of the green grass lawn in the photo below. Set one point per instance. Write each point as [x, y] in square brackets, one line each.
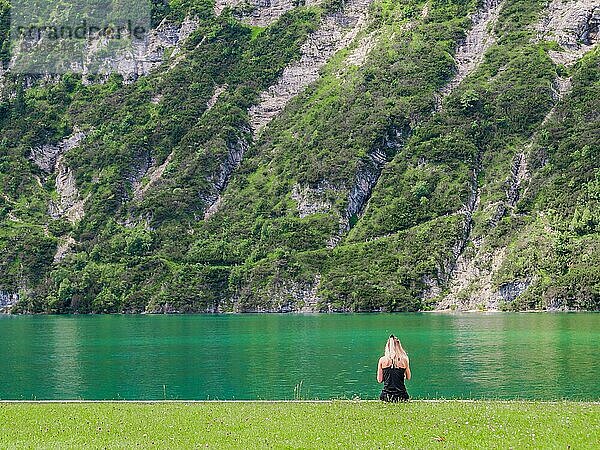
[341, 424]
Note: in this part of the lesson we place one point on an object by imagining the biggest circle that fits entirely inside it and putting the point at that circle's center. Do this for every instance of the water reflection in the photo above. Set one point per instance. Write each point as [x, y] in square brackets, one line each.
[64, 365]
[481, 353]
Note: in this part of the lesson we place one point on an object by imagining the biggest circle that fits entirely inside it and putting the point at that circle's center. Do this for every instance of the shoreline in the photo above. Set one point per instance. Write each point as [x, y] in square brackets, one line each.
[309, 313]
[330, 401]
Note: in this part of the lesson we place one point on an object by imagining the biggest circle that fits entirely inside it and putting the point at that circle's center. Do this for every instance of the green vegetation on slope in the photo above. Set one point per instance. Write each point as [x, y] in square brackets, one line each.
[220, 52]
[309, 144]
[442, 192]
[561, 209]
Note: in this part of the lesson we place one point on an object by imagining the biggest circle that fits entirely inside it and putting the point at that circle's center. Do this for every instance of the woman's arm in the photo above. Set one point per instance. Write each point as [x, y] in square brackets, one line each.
[407, 371]
[379, 372]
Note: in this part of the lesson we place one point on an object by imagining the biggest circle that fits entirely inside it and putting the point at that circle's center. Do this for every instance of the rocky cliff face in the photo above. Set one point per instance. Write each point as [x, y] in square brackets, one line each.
[383, 156]
[480, 37]
[7, 301]
[574, 25]
[291, 296]
[71, 205]
[147, 56]
[260, 13]
[65, 246]
[138, 60]
[46, 156]
[336, 32]
[50, 158]
[235, 153]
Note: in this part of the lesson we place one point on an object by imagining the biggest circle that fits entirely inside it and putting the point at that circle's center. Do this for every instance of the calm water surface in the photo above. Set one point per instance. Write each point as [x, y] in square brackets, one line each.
[541, 356]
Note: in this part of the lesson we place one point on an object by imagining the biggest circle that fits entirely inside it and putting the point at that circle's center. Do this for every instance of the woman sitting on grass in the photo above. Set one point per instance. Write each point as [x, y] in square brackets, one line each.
[392, 369]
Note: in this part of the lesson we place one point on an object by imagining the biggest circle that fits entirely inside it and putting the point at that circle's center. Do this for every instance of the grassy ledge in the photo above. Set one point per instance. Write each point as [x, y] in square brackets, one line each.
[341, 424]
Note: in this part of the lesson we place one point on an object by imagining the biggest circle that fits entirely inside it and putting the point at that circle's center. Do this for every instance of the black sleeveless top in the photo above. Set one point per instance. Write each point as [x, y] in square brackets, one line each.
[394, 389]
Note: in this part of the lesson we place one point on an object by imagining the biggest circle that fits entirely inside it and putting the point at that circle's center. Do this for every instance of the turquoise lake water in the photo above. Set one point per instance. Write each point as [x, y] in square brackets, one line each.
[496, 355]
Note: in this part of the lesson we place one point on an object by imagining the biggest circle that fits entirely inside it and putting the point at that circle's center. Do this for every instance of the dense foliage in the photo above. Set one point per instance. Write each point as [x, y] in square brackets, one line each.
[157, 252]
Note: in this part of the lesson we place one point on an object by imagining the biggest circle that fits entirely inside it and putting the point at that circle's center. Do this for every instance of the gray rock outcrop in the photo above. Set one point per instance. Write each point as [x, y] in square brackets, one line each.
[336, 31]
[313, 199]
[574, 24]
[46, 156]
[50, 158]
[70, 205]
[131, 61]
[235, 153]
[469, 53]
[7, 301]
[286, 296]
[65, 246]
[358, 56]
[144, 56]
[293, 296]
[510, 291]
[260, 12]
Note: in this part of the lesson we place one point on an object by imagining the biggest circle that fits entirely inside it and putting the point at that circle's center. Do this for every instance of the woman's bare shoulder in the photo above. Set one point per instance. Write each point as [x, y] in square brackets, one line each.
[385, 361]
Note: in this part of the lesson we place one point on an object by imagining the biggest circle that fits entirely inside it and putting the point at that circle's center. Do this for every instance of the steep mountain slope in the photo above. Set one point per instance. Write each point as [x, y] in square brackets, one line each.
[352, 155]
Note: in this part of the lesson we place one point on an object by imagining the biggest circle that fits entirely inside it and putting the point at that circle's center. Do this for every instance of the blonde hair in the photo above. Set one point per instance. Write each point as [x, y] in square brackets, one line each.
[395, 352]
